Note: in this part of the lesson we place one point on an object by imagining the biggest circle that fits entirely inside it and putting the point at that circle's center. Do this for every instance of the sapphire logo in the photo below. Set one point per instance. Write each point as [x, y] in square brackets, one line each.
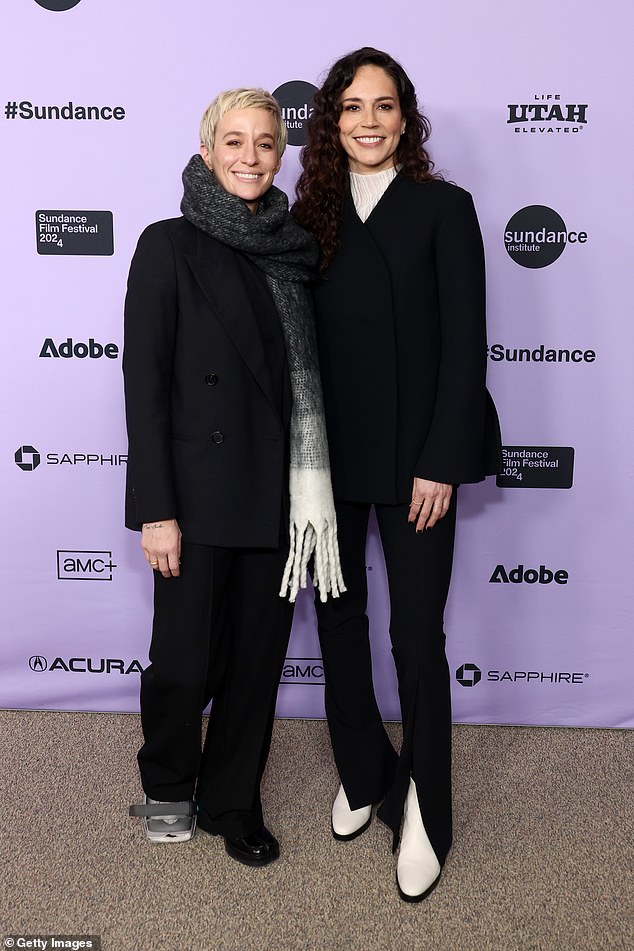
[468, 675]
[37, 662]
[296, 102]
[536, 676]
[27, 458]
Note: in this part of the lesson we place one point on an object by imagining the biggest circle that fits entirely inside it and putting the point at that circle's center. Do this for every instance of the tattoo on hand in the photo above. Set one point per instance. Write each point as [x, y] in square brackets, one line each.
[155, 525]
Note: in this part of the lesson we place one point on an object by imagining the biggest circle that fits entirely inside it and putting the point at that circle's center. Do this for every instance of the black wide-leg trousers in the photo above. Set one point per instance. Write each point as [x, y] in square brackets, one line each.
[220, 631]
[419, 572]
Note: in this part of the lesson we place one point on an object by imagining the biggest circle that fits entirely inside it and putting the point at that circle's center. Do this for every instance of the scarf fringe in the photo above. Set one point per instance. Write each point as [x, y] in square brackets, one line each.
[308, 540]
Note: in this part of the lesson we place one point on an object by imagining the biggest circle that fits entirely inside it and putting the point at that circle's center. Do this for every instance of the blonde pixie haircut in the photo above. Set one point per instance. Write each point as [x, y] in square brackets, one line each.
[242, 99]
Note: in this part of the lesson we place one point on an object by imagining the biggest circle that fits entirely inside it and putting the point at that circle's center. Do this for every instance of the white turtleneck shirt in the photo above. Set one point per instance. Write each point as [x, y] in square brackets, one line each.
[367, 190]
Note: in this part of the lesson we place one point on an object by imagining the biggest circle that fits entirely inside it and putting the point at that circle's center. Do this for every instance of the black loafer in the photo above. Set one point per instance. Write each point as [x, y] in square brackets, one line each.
[256, 849]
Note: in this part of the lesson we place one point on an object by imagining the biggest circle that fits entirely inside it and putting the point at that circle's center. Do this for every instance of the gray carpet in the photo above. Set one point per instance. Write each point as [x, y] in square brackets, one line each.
[542, 859]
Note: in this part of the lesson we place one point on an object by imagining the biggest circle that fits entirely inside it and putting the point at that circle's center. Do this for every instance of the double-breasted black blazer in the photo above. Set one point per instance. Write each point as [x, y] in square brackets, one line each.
[207, 444]
[402, 343]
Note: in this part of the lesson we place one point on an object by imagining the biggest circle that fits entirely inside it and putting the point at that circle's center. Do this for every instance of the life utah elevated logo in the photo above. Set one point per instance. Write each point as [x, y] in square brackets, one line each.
[547, 114]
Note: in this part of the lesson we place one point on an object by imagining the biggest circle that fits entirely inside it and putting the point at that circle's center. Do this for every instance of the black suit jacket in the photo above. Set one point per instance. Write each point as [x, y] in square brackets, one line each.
[402, 343]
[206, 441]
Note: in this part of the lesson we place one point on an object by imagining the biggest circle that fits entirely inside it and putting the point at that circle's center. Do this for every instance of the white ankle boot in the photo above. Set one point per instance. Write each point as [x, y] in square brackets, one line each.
[348, 823]
[418, 869]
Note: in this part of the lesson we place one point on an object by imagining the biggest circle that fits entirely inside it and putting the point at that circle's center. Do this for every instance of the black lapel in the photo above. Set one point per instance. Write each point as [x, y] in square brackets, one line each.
[358, 239]
[215, 269]
[382, 223]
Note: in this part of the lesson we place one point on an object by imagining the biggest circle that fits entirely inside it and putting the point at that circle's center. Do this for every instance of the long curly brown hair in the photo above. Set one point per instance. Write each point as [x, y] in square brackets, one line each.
[322, 184]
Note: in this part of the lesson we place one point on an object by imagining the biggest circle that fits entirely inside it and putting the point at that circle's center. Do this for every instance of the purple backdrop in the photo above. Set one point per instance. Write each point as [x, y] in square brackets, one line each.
[100, 106]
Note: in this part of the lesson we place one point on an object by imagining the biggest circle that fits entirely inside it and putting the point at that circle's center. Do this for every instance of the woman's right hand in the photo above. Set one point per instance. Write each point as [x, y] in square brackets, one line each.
[161, 544]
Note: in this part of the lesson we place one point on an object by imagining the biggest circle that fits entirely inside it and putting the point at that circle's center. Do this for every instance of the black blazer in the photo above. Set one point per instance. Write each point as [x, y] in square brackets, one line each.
[206, 440]
[402, 343]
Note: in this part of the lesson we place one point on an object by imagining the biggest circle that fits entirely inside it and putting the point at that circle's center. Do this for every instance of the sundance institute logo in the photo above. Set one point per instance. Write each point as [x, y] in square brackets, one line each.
[58, 5]
[296, 102]
[536, 236]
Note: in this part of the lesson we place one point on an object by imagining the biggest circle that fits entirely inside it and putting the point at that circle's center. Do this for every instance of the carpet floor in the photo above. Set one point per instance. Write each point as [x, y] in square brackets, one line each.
[542, 860]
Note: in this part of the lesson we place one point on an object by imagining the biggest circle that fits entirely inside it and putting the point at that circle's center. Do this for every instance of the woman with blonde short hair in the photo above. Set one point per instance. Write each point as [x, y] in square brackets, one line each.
[228, 475]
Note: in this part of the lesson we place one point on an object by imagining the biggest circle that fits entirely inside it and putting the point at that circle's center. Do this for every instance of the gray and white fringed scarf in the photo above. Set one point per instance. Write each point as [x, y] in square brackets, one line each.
[287, 256]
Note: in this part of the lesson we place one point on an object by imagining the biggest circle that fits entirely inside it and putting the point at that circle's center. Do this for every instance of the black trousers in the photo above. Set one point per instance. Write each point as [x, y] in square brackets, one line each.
[220, 631]
[419, 572]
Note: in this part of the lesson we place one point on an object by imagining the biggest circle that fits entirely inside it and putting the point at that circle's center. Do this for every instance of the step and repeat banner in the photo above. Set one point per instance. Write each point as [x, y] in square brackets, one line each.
[101, 101]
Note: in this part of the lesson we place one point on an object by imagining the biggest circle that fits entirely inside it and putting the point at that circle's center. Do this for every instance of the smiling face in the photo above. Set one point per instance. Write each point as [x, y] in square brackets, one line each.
[244, 157]
[371, 122]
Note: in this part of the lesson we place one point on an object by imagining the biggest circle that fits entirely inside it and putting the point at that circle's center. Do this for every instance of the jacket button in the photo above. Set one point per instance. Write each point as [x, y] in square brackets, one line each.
[218, 437]
[211, 379]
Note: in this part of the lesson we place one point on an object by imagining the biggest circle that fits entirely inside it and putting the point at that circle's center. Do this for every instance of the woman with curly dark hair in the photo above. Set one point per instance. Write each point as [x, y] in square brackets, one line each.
[401, 329]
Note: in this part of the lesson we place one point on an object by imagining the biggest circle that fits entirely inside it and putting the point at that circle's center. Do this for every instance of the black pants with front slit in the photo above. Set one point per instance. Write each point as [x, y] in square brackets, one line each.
[419, 572]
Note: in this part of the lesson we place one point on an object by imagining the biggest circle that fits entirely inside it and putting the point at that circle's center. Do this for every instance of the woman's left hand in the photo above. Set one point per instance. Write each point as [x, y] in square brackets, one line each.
[430, 502]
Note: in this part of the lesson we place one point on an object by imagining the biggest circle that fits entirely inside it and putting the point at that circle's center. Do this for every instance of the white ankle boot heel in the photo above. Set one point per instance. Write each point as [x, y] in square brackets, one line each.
[418, 869]
[348, 823]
